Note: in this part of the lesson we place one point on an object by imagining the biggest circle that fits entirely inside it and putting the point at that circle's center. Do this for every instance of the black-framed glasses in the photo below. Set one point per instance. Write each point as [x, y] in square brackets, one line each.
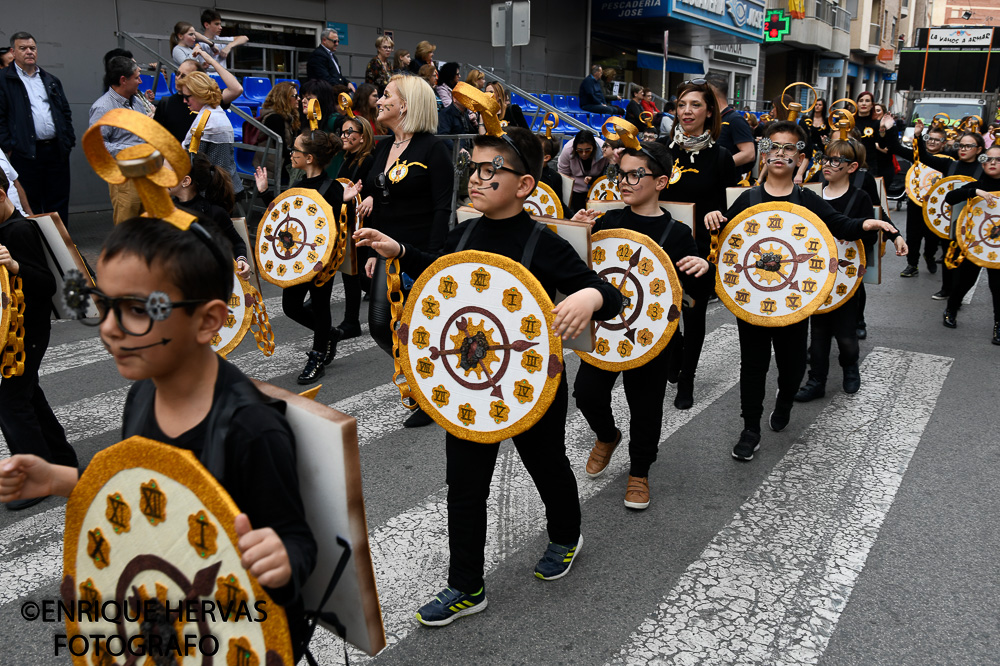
[135, 315]
[968, 146]
[933, 139]
[834, 161]
[630, 177]
[486, 170]
[186, 97]
[785, 147]
[349, 132]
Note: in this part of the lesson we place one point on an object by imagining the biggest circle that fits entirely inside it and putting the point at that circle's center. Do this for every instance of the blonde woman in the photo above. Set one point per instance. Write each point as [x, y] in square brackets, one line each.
[477, 79]
[407, 192]
[423, 56]
[377, 72]
[204, 98]
[510, 112]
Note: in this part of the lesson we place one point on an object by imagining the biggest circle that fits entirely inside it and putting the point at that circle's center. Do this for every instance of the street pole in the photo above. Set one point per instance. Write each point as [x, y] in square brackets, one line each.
[508, 36]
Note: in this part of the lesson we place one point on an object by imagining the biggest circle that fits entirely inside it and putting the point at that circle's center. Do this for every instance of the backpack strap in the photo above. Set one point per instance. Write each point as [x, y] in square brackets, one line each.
[666, 231]
[756, 197]
[469, 228]
[529, 247]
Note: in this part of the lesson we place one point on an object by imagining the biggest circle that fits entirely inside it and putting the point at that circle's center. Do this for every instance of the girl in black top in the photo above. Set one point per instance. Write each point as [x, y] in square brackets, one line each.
[207, 192]
[407, 192]
[312, 152]
[968, 272]
[701, 173]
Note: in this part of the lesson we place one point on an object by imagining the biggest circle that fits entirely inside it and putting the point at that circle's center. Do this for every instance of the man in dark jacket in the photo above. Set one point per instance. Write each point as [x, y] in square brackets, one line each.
[323, 63]
[36, 128]
[592, 97]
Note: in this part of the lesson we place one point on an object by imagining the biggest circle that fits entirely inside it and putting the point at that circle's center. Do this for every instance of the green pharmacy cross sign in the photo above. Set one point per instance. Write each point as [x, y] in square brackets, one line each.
[777, 25]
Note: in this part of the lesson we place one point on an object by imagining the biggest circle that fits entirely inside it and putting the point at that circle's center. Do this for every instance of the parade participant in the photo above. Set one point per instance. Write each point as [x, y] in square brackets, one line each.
[970, 146]
[408, 192]
[841, 161]
[702, 171]
[311, 153]
[644, 174]
[215, 132]
[968, 272]
[503, 173]
[206, 191]
[359, 143]
[26, 419]
[785, 143]
[815, 124]
[867, 127]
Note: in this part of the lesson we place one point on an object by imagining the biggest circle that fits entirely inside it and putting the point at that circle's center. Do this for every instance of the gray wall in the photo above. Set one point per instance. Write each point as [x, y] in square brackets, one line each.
[72, 37]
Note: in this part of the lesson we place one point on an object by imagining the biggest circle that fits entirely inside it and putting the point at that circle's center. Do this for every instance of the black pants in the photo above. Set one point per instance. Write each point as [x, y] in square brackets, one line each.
[966, 275]
[379, 314]
[645, 387]
[693, 318]
[841, 324]
[916, 232]
[26, 419]
[755, 359]
[948, 276]
[861, 296]
[470, 469]
[316, 317]
[352, 297]
[45, 179]
[604, 109]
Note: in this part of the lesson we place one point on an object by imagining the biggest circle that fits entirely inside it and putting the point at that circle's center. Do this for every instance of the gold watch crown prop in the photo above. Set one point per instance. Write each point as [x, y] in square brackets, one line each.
[143, 163]
[551, 120]
[485, 105]
[314, 113]
[794, 108]
[647, 118]
[346, 104]
[843, 120]
[622, 130]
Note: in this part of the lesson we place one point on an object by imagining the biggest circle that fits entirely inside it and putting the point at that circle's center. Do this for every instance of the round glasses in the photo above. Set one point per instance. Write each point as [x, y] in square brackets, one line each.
[486, 170]
[630, 177]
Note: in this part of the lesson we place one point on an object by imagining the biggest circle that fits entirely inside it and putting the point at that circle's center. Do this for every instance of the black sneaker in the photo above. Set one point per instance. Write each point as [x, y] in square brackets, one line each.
[780, 418]
[331, 347]
[940, 295]
[862, 331]
[910, 271]
[996, 333]
[418, 419]
[685, 394]
[557, 560]
[748, 445]
[949, 319]
[931, 264]
[812, 390]
[314, 368]
[449, 605]
[852, 379]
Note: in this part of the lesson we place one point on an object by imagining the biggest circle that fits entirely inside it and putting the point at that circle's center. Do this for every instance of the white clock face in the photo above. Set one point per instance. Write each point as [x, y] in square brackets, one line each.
[978, 233]
[296, 238]
[850, 270]
[238, 319]
[937, 212]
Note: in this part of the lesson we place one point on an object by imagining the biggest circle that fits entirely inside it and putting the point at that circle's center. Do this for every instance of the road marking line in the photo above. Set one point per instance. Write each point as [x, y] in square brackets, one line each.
[771, 586]
[410, 551]
[967, 299]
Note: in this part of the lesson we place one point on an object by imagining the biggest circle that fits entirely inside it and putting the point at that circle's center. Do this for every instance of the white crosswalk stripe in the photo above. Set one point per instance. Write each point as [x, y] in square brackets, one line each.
[771, 586]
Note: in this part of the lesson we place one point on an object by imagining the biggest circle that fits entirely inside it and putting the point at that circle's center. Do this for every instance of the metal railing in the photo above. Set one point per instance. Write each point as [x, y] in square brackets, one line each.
[552, 83]
[821, 10]
[541, 107]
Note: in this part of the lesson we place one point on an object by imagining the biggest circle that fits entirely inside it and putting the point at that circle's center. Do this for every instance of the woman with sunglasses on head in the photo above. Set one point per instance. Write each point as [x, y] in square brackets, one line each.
[407, 192]
[311, 154]
[582, 160]
[702, 171]
[359, 142]
[968, 272]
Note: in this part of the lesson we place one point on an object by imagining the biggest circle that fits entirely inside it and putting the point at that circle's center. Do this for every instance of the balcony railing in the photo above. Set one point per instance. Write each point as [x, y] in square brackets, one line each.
[875, 36]
[821, 10]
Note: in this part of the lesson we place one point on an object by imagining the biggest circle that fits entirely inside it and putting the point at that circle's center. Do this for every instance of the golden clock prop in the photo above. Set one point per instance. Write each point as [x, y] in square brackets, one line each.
[478, 347]
[937, 212]
[777, 263]
[851, 269]
[543, 201]
[978, 232]
[11, 325]
[645, 275]
[300, 239]
[920, 178]
[146, 527]
[603, 188]
[246, 313]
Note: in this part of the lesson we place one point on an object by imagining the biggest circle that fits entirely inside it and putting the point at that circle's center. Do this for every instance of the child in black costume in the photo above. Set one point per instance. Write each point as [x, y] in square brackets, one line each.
[181, 386]
[968, 272]
[503, 173]
[841, 161]
[644, 174]
[787, 141]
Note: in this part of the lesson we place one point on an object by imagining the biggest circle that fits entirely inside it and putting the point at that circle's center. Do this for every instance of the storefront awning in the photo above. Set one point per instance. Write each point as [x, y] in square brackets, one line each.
[675, 63]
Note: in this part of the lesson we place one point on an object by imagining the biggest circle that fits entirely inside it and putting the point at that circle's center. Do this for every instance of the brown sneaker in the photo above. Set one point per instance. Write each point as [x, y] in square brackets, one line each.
[637, 492]
[600, 456]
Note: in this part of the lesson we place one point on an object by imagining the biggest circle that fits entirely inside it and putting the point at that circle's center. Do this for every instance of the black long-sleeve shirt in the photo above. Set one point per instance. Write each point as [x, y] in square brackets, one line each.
[679, 242]
[840, 225]
[938, 162]
[261, 478]
[555, 263]
[861, 208]
[417, 208]
[968, 191]
[21, 239]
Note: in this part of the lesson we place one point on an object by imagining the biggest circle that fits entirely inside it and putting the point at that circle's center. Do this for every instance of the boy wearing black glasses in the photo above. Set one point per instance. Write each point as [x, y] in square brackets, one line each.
[502, 174]
[783, 149]
[26, 419]
[643, 174]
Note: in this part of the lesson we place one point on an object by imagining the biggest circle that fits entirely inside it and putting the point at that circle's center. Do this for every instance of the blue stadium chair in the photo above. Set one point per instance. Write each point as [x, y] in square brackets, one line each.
[573, 103]
[237, 122]
[256, 88]
[162, 89]
[145, 82]
[546, 97]
[218, 80]
[173, 82]
[559, 101]
[294, 82]
[244, 161]
[526, 106]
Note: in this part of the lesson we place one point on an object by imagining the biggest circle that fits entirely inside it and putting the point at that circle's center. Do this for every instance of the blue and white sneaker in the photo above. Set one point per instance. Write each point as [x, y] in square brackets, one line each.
[449, 605]
[557, 560]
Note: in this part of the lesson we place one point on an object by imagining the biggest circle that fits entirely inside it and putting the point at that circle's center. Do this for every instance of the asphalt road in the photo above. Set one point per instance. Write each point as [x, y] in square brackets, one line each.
[865, 533]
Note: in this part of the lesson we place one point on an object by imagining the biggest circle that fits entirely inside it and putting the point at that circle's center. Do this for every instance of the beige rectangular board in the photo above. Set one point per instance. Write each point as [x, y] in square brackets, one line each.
[567, 188]
[682, 212]
[329, 469]
[62, 256]
[883, 199]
